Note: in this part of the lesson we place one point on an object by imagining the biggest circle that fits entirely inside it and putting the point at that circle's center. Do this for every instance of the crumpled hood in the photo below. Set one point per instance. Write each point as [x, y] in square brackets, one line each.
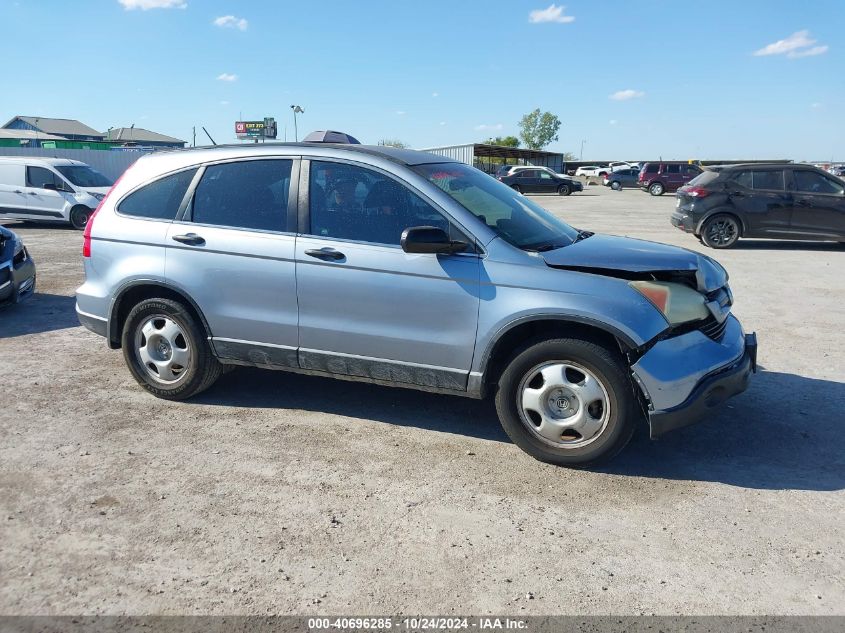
[604, 254]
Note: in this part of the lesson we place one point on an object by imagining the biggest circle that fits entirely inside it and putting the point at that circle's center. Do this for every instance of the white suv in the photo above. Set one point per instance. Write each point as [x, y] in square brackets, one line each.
[50, 189]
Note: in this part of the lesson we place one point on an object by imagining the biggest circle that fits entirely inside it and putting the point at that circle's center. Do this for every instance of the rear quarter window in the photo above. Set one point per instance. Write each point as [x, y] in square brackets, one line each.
[651, 168]
[160, 199]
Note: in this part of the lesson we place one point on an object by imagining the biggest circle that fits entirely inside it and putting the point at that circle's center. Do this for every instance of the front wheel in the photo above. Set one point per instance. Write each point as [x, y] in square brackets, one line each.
[720, 231]
[616, 185]
[563, 190]
[79, 217]
[517, 188]
[567, 402]
[656, 189]
[166, 350]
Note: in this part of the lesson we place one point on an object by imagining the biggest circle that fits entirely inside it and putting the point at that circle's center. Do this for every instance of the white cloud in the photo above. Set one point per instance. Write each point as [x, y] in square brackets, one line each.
[435, 94]
[231, 22]
[145, 5]
[809, 52]
[799, 44]
[816, 105]
[553, 13]
[484, 127]
[227, 77]
[625, 95]
[443, 123]
[401, 112]
[224, 103]
[613, 121]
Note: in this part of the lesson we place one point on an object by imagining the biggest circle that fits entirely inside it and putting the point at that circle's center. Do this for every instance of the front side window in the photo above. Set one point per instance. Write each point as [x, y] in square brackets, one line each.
[160, 199]
[772, 180]
[515, 218]
[545, 174]
[39, 176]
[84, 176]
[354, 203]
[812, 182]
[248, 194]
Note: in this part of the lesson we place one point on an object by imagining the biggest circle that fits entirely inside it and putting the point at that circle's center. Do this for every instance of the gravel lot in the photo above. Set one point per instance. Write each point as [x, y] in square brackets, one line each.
[277, 493]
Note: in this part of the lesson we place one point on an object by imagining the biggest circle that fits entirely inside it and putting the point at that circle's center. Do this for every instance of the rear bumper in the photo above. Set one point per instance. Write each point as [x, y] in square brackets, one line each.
[16, 283]
[682, 221]
[96, 324]
[685, 377]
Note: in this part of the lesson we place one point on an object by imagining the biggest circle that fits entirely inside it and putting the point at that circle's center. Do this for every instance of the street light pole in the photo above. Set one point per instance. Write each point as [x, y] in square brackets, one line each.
[296, 109]
[582, 149]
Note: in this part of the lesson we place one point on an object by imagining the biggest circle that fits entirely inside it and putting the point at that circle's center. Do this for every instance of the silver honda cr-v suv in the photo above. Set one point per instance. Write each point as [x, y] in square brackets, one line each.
[407, 269]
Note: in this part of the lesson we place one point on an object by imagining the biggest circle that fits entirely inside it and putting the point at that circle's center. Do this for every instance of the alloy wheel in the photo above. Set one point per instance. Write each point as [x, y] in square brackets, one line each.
[163, 349]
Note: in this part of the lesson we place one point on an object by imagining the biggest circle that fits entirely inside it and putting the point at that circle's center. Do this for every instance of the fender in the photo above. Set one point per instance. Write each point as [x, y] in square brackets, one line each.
[117, 299]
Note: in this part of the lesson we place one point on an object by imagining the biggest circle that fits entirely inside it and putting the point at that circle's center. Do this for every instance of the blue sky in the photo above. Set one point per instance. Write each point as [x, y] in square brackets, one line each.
[445, 72]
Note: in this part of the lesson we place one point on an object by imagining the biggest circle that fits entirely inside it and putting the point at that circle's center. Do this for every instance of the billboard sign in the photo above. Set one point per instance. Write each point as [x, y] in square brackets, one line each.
[256, 129]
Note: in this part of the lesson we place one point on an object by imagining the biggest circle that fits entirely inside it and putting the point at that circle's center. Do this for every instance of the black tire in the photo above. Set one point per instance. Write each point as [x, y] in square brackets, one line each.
[610, 372]
[656, 189]
[721, 231]
[79, 217]
[198, 374]
[616, 185]
[563, 190]
[516, 188]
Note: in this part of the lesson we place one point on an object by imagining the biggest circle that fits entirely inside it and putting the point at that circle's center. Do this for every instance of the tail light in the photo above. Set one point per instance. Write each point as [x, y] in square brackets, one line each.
[86, 234]
[696, 192]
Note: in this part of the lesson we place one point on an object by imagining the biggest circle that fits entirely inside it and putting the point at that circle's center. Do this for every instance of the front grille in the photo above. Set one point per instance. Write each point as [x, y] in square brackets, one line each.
[713, 329]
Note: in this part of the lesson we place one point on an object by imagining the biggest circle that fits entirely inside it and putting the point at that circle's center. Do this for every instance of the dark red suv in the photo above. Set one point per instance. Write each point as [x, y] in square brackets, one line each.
[658, 178]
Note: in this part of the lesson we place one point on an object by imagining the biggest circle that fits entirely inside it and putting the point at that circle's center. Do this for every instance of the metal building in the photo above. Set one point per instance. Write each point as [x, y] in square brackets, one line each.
[490, 157]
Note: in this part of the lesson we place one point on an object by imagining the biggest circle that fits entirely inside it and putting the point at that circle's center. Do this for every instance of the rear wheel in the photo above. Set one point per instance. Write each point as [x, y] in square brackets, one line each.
[166, 350]
[79, 217]
[656, 189]
[567, 402]
[563, 190]
[616, 185]
[720, 231]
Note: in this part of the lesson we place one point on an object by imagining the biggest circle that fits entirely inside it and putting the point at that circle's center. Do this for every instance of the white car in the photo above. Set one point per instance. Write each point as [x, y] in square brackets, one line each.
[589, 171]
[622, 164]
[50, 189]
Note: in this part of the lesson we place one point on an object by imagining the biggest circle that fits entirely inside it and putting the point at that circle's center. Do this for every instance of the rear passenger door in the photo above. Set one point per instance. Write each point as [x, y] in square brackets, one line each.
[762, 202]
[672, 176]
[232, 251]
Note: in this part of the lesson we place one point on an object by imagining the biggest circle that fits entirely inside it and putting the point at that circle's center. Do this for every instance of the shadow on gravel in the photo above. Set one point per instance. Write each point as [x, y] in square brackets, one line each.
[247, 387]
[40, 313]
[786, 432]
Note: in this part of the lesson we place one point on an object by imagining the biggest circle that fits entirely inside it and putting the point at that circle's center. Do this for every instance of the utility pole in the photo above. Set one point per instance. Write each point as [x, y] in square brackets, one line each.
[194, 144]
[582, 149]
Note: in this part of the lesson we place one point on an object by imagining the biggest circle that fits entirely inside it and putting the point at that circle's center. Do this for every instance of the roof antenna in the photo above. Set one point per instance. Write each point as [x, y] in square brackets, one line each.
[208, 135]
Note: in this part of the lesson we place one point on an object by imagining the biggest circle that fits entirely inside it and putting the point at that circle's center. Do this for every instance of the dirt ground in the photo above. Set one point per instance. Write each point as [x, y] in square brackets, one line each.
[278, 493]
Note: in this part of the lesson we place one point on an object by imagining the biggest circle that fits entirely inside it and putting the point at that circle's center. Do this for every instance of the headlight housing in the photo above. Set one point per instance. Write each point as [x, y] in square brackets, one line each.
[18, 247]
[677, 302]
[94, 194]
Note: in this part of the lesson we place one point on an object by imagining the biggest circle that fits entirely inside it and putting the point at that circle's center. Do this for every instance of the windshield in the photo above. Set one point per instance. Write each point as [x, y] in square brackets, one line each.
[84, 176]
[515, 218]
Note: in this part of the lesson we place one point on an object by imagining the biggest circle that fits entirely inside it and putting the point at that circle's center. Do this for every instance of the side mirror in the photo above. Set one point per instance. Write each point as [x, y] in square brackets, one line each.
[49, 186]
[429, 239]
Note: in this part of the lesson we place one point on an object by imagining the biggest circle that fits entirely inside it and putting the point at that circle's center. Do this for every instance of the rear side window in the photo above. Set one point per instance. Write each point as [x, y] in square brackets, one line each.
[39, 176]
[673, 169]
[250, 194]
[763, 180]
[160, 199]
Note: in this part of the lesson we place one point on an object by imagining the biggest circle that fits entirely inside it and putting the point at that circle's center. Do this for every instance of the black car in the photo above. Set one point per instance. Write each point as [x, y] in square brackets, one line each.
[795, 202]
[541, 180]
[17, 270]
[622, 178]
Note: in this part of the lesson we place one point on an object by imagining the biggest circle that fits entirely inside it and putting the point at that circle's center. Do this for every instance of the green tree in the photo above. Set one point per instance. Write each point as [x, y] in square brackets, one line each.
[393, 142]
[568, 157]
[504, 141]
[538, 129]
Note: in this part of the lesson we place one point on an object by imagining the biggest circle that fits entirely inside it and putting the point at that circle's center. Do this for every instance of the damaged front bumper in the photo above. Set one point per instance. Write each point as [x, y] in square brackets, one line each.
[684, 378]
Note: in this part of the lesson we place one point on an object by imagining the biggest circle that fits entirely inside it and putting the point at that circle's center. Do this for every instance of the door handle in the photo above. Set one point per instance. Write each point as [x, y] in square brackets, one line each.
[191, 239]
[32, 193]
[803, 203]
[18, 191]
[326, 253]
